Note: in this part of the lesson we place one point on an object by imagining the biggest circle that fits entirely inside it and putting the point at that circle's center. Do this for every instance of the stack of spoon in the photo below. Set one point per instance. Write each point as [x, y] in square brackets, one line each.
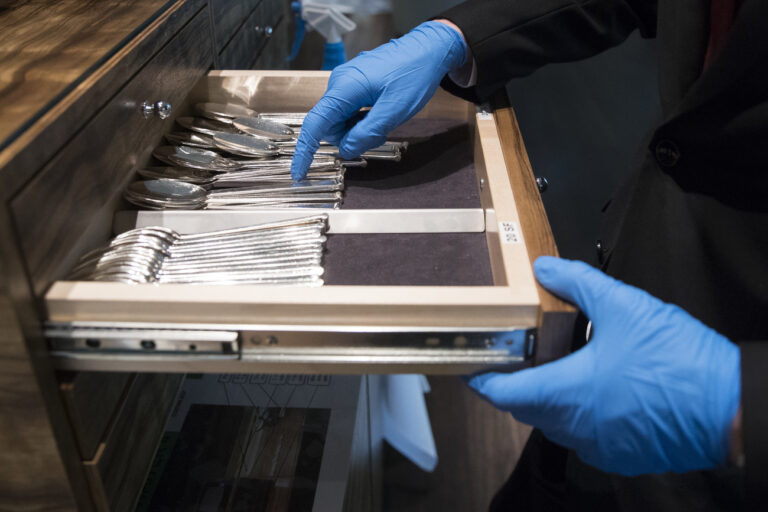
[287, 252]
[249, 154]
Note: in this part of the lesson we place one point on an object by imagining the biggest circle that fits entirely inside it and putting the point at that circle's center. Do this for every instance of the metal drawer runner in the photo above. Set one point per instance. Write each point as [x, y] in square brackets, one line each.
[145, 347]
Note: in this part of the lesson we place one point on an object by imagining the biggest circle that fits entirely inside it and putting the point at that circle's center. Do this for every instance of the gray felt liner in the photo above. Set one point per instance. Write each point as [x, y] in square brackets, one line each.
[437, 171]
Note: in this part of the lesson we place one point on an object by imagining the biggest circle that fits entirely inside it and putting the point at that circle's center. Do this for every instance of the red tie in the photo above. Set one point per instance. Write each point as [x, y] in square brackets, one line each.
[721, 18]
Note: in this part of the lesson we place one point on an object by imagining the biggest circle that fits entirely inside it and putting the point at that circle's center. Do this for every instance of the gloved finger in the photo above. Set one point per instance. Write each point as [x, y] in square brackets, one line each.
[536, 396]
[325, 118]
[574, 281]
[336, 132]
[371, 131]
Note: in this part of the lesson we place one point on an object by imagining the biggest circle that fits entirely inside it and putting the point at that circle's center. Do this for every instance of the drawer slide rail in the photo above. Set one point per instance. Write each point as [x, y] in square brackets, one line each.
[101, 346]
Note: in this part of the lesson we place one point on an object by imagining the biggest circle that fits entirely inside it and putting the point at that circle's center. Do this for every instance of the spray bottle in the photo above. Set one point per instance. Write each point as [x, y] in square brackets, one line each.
[330, 21]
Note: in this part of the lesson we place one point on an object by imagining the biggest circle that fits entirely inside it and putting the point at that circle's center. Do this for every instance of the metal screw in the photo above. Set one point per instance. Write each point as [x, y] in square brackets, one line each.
[254, 340]
[482, 183]
[271, 340]
[460, 341]
[542, 183]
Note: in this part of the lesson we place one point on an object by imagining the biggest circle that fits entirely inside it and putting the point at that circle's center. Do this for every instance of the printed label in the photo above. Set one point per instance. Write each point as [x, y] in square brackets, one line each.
[509, 233]
[484, 116]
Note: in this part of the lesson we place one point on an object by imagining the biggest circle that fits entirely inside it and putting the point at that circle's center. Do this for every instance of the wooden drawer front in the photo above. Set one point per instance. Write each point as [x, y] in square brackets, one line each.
[252, 39]
[92, 399]
[228, 15]
[117, 472]
[69, 204]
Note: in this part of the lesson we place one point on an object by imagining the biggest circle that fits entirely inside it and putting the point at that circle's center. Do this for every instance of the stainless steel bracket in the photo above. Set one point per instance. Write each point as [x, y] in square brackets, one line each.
[440, 220]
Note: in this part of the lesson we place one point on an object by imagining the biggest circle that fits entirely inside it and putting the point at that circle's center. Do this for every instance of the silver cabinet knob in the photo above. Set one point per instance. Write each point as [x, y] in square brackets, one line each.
[265, 31]
[161, 109]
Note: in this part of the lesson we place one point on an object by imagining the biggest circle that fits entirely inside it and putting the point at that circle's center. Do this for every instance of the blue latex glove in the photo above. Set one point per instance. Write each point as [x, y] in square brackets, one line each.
[654, 391]
[396, 80]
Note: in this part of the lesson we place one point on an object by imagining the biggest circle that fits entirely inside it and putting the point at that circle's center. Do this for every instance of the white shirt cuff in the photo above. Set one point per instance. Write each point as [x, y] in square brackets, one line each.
[466, 75]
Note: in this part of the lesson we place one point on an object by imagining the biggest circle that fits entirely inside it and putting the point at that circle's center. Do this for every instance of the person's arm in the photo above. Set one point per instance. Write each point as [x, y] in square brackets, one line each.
[509, 39]
[505, 38]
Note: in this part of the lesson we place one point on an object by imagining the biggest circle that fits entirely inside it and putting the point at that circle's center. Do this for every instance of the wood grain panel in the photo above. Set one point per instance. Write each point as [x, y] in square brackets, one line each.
[557, 316]
[51, 126]
[92, 400]
[78, 190]
[48, 46]
[35, 435]
[118, 471]
[228, 16]
[250, 39]
[32, 476]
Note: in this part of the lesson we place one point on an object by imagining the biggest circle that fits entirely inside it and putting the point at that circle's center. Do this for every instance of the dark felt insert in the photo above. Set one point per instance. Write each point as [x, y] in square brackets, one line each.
[437, 171]
[429, 259]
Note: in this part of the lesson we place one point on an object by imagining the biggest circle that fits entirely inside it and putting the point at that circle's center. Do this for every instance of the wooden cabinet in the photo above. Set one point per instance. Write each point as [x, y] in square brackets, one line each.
[82, 183]
[266, 25]
[117, 470]
[64, 162]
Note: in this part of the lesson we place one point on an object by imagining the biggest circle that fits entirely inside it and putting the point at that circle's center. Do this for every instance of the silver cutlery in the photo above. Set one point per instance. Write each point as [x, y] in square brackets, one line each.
[161, 194]
[285, 252]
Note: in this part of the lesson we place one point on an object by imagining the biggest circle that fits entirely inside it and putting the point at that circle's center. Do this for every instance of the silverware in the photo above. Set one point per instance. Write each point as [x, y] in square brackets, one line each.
[385, 152]
[168, 194]
[284, 252]
[244, 178]
[292, 119]
[206, 126]
[194, 139]
[196, 176]
[266, 128]
[221, 111]
[194, 158]
[245, 145]
[207, 160]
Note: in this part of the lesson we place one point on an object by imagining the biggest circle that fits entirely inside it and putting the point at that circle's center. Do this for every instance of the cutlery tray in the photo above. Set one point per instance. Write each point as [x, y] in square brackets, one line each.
[428, 264]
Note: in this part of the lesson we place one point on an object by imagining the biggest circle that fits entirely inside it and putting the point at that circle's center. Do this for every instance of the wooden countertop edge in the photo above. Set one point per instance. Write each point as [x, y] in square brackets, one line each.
[39, 129]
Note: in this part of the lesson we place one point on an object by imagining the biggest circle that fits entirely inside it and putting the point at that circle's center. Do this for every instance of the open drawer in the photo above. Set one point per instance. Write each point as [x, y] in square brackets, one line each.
[349, 325]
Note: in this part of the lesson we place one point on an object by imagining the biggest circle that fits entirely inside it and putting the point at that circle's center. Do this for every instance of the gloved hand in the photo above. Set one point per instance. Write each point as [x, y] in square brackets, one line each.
[655, 390]
[395, 79]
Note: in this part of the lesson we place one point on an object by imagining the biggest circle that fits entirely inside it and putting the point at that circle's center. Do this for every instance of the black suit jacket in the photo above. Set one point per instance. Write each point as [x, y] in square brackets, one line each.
[691, 223]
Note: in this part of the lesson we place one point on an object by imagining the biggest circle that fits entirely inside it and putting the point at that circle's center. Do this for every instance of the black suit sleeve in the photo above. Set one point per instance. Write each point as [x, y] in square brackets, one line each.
[754, 389]
[513, 38]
